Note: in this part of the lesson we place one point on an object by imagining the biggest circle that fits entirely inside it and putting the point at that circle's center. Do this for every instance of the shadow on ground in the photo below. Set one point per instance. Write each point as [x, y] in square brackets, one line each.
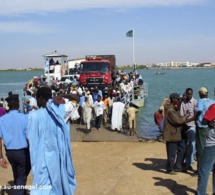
[156, 164]
[83, 130]
[173, 186]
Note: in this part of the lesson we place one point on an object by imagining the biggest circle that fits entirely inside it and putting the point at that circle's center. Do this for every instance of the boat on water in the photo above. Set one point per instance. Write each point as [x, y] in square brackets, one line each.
[65, 72]
[159, 73]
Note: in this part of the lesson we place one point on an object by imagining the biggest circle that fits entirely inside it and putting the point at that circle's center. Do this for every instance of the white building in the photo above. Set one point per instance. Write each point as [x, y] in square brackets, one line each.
[176, 64]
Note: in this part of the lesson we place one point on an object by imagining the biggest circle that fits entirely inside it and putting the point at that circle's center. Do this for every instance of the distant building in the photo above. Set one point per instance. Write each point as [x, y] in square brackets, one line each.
[205, 64]
[177, 64]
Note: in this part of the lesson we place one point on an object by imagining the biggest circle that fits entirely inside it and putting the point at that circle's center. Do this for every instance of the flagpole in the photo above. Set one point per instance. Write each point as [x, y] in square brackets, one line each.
[131, 34]
[133, 49]
[134, 62]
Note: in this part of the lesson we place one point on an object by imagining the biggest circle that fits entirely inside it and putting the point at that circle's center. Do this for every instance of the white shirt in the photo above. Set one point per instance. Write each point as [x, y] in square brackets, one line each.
[99, 107]
[71, 111]
[33, 102]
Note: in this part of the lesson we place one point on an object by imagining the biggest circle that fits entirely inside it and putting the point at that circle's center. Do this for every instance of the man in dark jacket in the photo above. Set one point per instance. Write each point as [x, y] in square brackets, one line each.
[172, 130]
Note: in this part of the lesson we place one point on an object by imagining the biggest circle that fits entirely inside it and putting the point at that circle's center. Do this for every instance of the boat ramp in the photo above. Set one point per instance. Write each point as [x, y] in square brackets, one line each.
[78, 134]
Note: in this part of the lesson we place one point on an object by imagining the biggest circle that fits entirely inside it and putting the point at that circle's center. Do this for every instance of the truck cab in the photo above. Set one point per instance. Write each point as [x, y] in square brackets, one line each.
[97, 71]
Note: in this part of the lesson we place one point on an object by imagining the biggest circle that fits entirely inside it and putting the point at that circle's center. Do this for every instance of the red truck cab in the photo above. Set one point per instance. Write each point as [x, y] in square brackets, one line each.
[97, 71]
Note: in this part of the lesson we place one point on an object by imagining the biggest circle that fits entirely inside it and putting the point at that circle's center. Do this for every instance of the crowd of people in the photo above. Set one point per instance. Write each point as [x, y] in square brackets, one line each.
[187, 126]
[41, 136]
[33, 140]
[95, 104]
[94, 108]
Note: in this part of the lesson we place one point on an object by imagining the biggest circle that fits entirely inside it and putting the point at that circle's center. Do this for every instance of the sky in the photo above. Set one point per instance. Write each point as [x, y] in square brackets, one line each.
[164, 30]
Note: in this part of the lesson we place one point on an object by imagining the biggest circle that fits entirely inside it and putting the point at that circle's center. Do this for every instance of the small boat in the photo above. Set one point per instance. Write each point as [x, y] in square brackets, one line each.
[159, 73]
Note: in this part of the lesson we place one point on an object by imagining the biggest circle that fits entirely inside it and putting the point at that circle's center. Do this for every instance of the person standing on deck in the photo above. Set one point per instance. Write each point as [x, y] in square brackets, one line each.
[13, 129]
[188, 105]
[49, 141]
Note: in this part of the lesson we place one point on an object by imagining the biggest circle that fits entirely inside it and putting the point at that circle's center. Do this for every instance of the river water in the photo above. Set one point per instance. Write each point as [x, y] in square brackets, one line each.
[159, 87]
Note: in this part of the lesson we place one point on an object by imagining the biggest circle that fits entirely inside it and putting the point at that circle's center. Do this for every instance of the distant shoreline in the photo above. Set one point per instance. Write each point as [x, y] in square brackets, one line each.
[165, 68]
[22, 70]
[119, 67]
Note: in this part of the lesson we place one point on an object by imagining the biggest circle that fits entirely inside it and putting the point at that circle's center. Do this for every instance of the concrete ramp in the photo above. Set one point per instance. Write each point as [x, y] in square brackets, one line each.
[79, 133]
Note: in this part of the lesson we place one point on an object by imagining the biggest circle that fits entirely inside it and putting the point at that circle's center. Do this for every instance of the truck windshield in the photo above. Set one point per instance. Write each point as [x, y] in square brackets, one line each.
[100, 67]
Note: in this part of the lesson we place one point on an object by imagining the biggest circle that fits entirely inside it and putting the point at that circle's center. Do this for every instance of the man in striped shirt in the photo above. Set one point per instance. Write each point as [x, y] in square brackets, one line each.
[188, 105]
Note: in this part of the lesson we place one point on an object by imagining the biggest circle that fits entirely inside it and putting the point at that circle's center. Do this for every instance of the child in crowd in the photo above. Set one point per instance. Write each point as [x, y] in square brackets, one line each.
[132, 119]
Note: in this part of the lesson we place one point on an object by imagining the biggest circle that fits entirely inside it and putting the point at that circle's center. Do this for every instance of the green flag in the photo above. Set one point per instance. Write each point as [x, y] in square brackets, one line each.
[129, 33]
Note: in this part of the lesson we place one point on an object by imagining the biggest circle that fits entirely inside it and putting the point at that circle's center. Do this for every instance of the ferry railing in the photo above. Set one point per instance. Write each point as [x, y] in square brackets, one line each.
[127, 98]
[137, 92]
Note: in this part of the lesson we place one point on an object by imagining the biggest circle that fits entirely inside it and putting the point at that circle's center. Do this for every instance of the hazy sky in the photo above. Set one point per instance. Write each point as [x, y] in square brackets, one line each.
[164, 30]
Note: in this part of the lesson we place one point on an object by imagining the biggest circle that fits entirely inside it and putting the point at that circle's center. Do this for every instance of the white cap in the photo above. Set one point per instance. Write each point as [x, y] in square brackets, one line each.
[203, 91]
[74, 92]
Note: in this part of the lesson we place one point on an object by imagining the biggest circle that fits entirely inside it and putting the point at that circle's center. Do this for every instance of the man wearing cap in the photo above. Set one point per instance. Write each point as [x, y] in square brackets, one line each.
[13, 128]
[172, 131]
[188, 105]
[203, 104]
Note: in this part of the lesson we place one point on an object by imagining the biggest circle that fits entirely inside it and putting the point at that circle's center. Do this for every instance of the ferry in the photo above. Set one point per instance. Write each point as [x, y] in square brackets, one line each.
[58, 69]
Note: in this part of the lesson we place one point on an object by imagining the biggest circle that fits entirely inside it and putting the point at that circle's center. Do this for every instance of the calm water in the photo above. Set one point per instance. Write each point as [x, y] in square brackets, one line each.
[160, 86]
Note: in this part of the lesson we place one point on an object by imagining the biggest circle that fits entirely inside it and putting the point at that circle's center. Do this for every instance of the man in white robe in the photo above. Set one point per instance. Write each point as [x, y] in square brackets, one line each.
[117, 111]
[87, 113]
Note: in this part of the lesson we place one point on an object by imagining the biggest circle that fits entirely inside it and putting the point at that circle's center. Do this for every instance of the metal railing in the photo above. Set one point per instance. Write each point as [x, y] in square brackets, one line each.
[137, 92]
